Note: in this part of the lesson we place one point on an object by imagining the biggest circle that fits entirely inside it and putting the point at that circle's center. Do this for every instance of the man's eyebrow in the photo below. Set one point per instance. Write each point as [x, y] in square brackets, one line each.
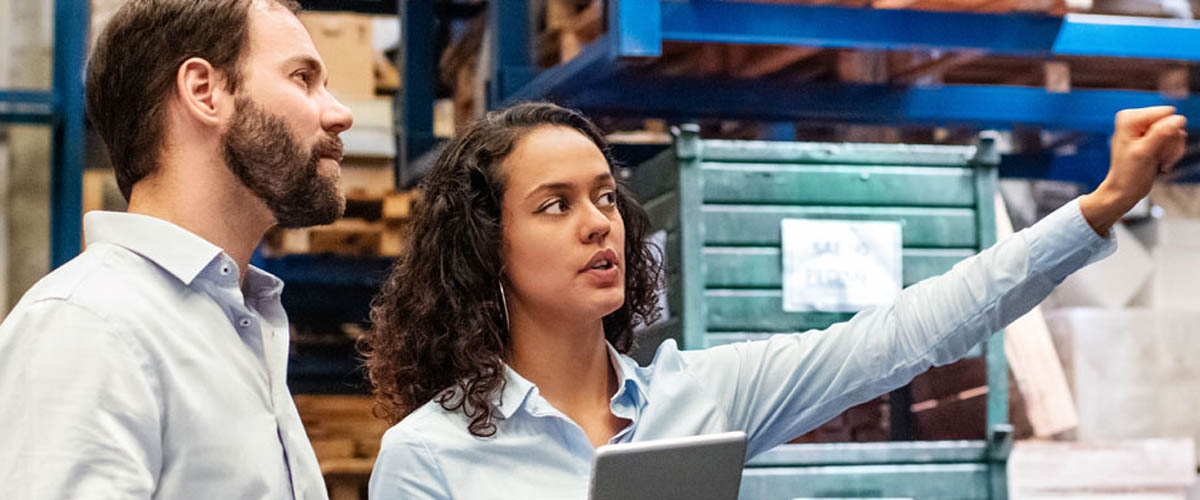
[306, 60]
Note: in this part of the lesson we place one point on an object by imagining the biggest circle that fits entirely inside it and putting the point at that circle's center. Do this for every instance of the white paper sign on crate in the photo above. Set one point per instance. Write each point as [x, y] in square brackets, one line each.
[840, 266]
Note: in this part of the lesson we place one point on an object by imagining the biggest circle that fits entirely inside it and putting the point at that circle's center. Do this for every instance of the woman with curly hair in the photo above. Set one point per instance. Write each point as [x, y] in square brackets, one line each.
[500, 341]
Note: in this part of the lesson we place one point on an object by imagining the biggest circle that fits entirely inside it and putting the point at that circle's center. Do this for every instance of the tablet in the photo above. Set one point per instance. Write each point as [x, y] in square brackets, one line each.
[707, 467]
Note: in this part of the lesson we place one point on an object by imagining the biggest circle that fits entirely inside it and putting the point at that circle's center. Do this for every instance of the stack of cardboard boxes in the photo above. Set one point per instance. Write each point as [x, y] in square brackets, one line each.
[1128, 332]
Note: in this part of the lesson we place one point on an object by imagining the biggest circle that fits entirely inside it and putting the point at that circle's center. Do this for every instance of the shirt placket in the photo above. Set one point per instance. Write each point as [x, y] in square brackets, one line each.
[573, 435]
[274, 323]
[260, 337]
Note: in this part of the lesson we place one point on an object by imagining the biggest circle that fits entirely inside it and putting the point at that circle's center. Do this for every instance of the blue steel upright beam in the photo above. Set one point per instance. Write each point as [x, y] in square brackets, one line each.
[512, 48]
[414, 104]
[71, 19]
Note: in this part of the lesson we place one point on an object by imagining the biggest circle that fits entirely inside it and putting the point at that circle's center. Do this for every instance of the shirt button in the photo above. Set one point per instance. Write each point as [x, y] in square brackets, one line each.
[244, 322]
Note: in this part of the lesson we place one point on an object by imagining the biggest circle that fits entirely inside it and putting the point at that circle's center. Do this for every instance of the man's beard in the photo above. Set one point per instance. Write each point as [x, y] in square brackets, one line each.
[262, 152]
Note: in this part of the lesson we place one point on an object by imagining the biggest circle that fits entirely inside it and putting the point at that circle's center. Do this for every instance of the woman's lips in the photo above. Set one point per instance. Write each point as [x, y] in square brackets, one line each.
[604, 277]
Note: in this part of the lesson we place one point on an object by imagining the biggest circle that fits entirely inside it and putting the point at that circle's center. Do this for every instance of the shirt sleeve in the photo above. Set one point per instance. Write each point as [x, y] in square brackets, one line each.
[80, 417]
[780, 388]
[406, 470]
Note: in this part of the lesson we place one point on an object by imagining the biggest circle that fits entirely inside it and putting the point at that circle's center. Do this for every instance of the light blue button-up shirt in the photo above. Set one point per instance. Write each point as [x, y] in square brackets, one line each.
[774, 390]
[140, 369]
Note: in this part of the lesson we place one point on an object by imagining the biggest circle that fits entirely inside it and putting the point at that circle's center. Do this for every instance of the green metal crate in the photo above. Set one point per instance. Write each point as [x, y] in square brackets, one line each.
[721, 203]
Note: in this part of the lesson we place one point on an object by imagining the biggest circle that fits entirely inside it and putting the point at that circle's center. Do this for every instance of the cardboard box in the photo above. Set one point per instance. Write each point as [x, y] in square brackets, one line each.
[1176, 282]
[344, 42]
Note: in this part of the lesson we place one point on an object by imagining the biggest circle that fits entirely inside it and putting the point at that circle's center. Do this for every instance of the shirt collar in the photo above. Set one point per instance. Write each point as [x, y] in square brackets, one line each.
[626, 369]
[173, 248]
[517, 388]
[262, 284]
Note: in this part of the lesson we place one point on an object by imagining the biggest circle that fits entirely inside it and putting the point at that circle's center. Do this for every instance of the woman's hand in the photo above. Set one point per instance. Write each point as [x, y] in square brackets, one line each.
[1146, 142]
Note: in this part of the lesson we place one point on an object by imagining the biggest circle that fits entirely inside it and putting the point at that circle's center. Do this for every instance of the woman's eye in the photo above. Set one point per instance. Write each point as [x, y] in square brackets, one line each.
[607, 199]
[555, 207]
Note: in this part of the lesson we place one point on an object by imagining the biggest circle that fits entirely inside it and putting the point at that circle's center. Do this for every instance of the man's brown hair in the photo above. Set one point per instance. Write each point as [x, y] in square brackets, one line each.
[132, 71]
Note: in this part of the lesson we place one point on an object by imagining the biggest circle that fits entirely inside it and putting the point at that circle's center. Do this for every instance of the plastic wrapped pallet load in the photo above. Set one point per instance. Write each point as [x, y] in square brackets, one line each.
[1133, 371]
[1126, 469]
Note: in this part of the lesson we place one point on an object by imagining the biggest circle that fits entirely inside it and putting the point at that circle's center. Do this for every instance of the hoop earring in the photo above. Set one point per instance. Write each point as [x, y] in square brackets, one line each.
[504, 303]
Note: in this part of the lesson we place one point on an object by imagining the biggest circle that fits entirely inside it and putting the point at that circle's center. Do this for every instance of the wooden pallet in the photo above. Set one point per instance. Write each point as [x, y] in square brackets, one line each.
[345, 436]
[373, 226]
[569, 26]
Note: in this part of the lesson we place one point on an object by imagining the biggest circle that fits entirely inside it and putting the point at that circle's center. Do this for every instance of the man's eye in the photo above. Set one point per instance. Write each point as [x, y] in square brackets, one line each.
[303, 76]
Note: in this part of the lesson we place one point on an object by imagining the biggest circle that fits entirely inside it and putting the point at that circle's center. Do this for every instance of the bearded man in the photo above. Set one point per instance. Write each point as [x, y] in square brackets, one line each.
[153, 364]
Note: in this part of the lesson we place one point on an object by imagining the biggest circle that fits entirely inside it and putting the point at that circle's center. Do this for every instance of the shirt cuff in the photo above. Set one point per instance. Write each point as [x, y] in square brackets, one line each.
[1063, 242]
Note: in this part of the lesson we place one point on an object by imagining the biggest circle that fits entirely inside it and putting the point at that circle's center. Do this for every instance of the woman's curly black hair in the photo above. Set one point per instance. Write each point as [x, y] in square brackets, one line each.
[438, 325]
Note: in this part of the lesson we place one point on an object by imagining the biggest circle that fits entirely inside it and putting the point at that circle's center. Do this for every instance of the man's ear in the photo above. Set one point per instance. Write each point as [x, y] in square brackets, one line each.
[199, 87]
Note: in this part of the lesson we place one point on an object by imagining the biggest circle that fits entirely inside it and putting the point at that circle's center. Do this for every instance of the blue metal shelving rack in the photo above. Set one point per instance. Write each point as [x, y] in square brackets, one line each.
[600, 79]
[607, 77]
[62, 109]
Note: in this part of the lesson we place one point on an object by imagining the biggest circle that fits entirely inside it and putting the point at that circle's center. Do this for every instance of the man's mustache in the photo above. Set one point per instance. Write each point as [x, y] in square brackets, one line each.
[329, 146]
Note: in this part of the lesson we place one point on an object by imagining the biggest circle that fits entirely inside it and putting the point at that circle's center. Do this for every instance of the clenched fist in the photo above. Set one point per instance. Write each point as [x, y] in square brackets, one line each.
[1146, 142]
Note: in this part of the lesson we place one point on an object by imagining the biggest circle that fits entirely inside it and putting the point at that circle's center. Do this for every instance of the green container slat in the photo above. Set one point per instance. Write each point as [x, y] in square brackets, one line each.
[967, 481]
[903, 452]
[838, 185]
[820, 152]
[761, 310]
[744, 225]
[762, 267]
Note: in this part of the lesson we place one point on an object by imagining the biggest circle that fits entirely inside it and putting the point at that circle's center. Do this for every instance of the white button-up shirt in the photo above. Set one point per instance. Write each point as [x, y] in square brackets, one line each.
[774, 390]
[140, 369]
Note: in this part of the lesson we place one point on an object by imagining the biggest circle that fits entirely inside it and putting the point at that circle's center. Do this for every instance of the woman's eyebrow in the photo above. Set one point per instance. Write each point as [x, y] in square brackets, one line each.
[550, 186]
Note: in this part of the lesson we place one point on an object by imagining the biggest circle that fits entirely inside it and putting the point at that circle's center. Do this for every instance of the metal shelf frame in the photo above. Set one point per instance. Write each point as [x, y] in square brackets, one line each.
[605, 77]
[638, 28]
[600, 80]
[62, 108]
